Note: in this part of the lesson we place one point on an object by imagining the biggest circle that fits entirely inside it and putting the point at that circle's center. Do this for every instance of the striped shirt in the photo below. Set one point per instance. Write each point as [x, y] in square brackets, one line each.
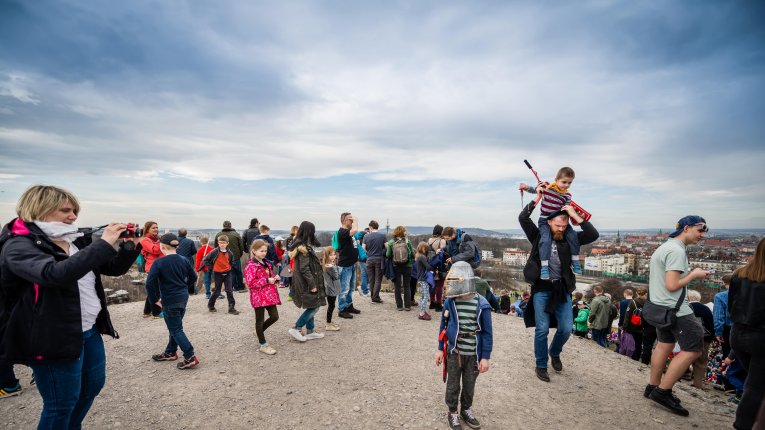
[467, 316]
[552, 201]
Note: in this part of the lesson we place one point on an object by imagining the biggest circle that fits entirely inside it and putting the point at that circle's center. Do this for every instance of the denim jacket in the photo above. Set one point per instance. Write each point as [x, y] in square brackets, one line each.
[484, 336]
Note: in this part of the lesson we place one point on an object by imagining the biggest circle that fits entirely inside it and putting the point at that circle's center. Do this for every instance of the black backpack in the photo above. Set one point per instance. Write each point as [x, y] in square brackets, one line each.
[504, 303]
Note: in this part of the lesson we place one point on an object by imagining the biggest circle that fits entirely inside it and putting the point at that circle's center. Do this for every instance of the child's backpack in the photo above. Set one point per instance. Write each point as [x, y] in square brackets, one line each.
[476, 261]
[504, 303]
[636, 319]
[400, 251]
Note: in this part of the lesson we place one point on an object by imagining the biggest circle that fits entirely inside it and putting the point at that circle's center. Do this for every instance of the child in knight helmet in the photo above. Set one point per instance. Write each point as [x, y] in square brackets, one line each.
[467, 320]
[554, 197]
[331, 283]
[261, 280]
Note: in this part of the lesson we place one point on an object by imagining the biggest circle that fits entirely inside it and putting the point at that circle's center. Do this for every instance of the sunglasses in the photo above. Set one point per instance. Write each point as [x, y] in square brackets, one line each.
[703, 226]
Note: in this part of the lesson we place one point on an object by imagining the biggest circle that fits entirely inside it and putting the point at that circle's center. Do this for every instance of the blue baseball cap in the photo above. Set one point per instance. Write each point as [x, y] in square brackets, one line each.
[687, 221]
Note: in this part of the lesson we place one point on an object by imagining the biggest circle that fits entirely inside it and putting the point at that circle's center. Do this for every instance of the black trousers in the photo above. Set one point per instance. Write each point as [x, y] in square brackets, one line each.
[401, 276]
[151, 308]
[7, 376]
[375, 274]
[465, 369]
[330, 307]
[260, 325]
[749, 348]
[649, 338]
[220, 279]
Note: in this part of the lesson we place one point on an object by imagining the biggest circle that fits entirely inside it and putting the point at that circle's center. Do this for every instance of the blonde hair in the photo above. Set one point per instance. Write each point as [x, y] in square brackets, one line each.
[422, 249]
[256, 245]
[293, 230]
[755, 269]
[41, 200]
[203, 239]
[325, 256]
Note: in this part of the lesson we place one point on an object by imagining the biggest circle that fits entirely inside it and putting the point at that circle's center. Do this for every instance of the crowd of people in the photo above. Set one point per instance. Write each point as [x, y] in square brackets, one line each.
[51, 273]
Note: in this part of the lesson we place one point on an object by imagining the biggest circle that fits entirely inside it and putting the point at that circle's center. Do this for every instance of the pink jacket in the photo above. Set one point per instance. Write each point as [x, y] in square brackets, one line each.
[262, 293]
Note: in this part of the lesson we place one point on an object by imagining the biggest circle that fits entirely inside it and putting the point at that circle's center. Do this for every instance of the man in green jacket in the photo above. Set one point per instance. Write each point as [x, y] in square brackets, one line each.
[600, 308]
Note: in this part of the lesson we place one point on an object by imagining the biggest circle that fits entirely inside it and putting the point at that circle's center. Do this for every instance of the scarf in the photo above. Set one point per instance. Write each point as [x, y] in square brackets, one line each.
[59, 230]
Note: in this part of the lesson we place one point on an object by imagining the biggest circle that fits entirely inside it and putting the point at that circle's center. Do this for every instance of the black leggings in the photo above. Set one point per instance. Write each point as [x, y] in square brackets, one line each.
[260, 325]
[151, 308]
[330, 307]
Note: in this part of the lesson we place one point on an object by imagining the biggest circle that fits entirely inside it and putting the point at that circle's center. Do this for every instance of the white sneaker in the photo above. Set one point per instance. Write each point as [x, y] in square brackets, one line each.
[332, 327]
[314, 335]
[266, 349]
[297, 335]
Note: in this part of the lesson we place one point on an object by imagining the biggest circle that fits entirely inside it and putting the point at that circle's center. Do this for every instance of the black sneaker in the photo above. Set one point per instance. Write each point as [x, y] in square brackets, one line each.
[556, 363]
[232, 310]
[212, 309]
[649, 388]
[377, 300]
[345, 314]
[665, 398]
[165, 357]
[352, 310]
[453, 418]
[188, 363]
[470, 419]
[542, 374]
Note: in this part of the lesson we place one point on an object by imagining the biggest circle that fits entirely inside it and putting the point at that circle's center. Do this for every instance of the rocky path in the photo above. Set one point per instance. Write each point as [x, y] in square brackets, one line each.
[377, 372]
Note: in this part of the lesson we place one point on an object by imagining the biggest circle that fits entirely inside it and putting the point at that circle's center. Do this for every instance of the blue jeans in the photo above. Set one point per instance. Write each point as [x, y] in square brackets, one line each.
[545, 240]
[347, 285]
[174, 320]
[306, 319]
[69, 388]
[364, 278]
[207, 276]
[565, 318]
[600, 336]
[236, 272]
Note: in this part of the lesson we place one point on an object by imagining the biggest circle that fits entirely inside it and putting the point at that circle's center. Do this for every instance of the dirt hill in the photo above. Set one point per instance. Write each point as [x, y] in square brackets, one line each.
[377, 372]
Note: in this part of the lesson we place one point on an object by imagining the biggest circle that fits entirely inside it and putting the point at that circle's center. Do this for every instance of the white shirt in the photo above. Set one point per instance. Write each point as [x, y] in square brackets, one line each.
[90, 305]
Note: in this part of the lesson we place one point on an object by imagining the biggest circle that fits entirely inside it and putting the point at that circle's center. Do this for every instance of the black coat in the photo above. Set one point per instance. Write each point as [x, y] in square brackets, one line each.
[533, 266]
[40, 317]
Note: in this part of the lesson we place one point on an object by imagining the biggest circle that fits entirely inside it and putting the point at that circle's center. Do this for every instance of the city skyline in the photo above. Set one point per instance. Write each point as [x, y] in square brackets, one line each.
[191, 114]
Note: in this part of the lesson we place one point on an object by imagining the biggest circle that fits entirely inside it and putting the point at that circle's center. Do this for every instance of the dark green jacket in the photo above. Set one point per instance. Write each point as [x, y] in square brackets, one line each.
[306, 276]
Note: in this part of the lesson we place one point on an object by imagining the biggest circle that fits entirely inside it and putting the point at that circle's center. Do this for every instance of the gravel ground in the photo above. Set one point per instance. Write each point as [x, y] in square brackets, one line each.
[377, 372]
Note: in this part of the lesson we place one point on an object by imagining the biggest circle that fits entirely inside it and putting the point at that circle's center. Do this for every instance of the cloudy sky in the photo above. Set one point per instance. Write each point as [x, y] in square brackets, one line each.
[420, 112]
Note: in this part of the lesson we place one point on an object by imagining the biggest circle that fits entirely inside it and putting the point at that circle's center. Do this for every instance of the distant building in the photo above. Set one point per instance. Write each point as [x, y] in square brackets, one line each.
[487, 255]
[514, 257]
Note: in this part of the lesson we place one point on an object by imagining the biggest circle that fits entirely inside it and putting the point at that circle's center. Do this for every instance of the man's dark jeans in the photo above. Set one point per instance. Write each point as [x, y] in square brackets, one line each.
[375, 274]
[236, 272]
[174, 320]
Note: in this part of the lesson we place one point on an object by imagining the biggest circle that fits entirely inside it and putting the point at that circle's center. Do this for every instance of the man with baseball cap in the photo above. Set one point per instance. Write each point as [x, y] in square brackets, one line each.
[667, 286]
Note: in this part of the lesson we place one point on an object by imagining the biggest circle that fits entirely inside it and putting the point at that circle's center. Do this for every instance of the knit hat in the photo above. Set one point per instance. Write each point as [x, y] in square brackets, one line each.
[169, 239]
[688, 221]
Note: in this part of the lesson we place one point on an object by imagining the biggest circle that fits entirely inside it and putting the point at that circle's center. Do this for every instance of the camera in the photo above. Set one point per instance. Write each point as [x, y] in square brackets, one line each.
[133, 230]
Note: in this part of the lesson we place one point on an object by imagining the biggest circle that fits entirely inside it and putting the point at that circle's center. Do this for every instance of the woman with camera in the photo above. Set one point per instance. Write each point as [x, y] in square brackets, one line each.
[52, 303]
[151, 252]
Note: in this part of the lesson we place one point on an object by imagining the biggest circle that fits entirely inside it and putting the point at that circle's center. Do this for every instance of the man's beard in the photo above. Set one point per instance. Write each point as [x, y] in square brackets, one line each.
[558, 235]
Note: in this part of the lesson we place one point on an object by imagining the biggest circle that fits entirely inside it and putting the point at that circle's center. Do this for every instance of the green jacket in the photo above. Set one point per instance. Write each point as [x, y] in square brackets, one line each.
[581, 320]
[234, 242]
[600, 308]
[389, 251]
[481, 286]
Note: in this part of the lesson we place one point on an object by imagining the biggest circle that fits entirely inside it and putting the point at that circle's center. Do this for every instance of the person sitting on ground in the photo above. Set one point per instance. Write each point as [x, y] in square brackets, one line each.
[169, 282]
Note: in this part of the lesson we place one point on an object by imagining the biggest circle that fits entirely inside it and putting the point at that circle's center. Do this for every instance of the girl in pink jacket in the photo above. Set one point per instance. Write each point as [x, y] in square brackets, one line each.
[261, 281]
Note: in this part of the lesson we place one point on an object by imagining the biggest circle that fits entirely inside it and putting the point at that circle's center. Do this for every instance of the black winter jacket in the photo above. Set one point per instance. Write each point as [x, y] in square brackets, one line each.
[746, 304]
[40, 317]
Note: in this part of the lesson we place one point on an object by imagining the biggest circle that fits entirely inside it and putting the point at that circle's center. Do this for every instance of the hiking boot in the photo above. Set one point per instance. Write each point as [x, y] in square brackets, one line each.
[188, 363]
[665, 398]
[232, 310]
[470, 419]
[165, 356]
[453, 418]
[542, 374]
[211, 309]
[432, 305]
[265, 349]
[332, 327]
[11, 391]
[556, 363]
[649, 388]
[158, 316]
[345, 314]
[425, 316]
[352, 310]
[544, 274]
[576, 267]
[314, 335]
[439, 308]
[377, 300]
[297, 335]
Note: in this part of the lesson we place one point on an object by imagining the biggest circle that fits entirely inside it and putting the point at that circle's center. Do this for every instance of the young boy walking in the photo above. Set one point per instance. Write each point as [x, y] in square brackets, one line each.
[221, 262]
[169, 282]
[466, 342]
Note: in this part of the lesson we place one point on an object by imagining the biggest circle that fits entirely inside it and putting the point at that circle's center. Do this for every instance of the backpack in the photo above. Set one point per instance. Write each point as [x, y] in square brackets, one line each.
[613, 313]
[400, 251]
[504, 303]
[476, 261]
[637, 316]
[335, 241]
